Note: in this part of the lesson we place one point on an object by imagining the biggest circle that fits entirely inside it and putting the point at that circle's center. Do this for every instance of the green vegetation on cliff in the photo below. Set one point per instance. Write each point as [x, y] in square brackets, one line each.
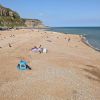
[9, 18]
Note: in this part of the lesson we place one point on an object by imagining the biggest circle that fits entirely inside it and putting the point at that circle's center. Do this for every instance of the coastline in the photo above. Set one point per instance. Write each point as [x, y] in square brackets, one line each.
[69, 70]
[83, 38]
[88, 32]
[85, 41]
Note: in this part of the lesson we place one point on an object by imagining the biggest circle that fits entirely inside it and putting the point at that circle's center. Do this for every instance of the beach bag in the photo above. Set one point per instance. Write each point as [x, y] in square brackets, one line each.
[45, 50]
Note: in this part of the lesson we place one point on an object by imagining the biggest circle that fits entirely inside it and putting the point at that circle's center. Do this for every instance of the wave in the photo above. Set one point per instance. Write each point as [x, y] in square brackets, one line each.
[85, 41]
[90, 34]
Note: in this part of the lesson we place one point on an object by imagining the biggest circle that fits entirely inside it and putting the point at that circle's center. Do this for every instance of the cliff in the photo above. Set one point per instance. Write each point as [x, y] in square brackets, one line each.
[34, 23]
[9, 18]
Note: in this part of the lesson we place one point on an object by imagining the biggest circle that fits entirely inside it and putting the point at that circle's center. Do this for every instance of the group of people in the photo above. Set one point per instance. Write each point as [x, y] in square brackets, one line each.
[23, 65]
[39, 49]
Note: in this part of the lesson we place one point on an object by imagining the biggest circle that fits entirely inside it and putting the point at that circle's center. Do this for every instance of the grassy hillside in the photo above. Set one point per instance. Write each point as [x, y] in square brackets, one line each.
[9, 18]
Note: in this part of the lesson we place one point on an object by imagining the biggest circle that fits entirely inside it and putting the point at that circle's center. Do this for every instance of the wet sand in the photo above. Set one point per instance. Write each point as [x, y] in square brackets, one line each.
[69, 71]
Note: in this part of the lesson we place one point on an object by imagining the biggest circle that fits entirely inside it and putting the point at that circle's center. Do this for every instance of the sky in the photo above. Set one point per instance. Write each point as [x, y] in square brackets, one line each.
[58, 13]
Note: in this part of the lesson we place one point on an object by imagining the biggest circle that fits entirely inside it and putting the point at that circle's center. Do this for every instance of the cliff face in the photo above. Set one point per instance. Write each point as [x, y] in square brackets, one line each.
[9, 18]
[34, 23]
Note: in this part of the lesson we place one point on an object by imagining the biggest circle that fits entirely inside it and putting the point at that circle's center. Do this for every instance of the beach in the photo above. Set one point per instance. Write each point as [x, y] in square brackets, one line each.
[70, 70]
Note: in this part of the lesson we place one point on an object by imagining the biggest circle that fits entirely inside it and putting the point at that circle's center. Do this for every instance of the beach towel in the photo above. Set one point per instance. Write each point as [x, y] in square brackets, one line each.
[35, 50]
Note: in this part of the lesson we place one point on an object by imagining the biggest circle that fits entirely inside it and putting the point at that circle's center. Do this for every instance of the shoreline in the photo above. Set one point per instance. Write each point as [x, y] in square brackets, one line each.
[85, 41]
[83, 38]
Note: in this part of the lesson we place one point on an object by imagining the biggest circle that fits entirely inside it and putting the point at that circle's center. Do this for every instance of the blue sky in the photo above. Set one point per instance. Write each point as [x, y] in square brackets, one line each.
[58, 12]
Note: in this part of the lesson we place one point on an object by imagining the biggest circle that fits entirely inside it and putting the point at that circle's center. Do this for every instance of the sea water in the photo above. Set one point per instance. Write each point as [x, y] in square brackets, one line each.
[92, 34]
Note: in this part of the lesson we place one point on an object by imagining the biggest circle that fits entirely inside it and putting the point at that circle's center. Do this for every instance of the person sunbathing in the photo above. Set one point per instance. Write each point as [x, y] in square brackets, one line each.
[35, 49]
[40, 50]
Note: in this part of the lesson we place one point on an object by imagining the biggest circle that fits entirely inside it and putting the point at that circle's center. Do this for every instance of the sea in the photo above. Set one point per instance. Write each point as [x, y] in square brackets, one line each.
[92, 34]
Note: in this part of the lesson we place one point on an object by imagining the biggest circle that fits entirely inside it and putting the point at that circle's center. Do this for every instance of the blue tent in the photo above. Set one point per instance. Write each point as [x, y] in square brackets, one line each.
[23, 65]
